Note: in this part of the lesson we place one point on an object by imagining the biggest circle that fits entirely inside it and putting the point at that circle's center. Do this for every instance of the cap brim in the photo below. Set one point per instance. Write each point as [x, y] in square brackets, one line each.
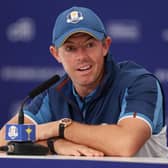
[97, 35]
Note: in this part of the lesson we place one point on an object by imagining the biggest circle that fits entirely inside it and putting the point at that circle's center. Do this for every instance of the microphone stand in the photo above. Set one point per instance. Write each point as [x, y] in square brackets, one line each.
[29, 147]
[21, 113]
[25, 147]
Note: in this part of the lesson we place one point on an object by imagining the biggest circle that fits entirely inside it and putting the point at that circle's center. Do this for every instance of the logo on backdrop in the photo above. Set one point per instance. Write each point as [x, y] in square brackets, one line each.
[124, 30]
[164, 35]
[22, 30]
[28, 73]
[162, 74]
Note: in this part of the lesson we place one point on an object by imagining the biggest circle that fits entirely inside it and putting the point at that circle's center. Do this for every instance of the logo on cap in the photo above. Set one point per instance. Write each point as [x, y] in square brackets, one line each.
[74, 17]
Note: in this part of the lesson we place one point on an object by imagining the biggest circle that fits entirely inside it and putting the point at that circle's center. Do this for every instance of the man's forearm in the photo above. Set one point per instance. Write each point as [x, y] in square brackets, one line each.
[124, 139]
[101, 137]
[113, 140]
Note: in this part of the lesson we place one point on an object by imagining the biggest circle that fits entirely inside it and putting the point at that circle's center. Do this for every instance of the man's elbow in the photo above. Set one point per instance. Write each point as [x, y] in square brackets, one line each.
[124, 150]
[128, 152]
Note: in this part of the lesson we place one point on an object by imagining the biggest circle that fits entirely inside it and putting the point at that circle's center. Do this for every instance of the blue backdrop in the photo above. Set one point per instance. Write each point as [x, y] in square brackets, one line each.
[139, 30]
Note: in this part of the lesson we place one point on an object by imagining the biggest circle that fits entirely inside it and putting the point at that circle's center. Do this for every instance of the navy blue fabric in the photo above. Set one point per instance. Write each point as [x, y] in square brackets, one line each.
[125, 86]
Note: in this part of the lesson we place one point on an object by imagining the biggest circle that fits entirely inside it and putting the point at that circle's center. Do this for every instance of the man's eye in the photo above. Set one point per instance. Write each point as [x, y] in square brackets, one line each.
[89, 45]
[70, 48]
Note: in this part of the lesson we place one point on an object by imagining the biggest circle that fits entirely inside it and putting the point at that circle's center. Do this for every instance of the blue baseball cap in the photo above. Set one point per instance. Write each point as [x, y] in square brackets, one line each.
[74, 20]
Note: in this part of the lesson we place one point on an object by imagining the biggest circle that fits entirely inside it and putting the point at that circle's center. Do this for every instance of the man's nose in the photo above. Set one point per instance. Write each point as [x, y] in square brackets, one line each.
[82, 53]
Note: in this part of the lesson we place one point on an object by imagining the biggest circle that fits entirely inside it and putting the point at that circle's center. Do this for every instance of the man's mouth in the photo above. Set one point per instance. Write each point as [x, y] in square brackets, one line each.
[84, 68]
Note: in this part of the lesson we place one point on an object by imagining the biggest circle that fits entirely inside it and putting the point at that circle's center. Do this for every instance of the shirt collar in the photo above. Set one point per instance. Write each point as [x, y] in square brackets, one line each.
[86, 98]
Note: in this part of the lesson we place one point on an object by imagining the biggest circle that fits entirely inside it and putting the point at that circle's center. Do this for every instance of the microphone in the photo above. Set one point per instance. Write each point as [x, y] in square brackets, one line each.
[21, 136]
[39, 89]
[44, 86]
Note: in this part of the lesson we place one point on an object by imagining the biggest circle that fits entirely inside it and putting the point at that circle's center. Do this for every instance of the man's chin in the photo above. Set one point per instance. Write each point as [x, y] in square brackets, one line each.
[85, 83]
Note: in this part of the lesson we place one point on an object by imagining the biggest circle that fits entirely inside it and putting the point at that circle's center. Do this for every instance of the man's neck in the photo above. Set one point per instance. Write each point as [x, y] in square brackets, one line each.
[83, 91]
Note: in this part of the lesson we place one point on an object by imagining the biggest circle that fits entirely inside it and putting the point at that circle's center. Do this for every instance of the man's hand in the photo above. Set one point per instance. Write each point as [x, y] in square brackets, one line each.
[2, 137]
[47, 130]
[64, 147]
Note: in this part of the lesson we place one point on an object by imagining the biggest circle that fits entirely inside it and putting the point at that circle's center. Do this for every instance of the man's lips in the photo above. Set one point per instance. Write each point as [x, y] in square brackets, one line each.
[84, 68]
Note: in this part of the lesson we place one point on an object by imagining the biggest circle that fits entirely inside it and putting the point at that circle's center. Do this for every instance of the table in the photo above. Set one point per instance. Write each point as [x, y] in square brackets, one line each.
[57, 161]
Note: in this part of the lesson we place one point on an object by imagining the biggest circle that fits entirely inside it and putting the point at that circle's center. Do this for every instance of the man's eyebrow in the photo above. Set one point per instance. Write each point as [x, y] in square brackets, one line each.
[72, 42]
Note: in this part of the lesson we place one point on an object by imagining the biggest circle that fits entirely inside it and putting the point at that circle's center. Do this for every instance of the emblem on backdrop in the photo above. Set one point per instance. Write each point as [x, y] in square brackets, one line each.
[74, 17]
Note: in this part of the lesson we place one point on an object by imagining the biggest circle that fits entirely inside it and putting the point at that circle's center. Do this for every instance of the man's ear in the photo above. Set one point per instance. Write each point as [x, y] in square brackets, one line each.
[54, 53]
[106, 43]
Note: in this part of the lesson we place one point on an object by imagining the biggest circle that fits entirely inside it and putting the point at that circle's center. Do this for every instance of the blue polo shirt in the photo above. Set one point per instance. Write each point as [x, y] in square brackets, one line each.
[83, 102]
[126, 90]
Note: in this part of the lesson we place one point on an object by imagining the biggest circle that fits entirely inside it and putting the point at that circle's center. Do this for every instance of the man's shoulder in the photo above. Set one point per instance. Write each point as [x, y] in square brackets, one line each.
[131, 68]
[129, 72]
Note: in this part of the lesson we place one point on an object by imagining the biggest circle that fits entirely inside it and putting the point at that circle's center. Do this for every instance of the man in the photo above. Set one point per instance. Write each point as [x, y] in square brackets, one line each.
[98, 107]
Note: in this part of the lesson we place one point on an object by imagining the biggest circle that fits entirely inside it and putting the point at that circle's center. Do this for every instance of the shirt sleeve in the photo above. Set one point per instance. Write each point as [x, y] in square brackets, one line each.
[38, 110]
[144, 100]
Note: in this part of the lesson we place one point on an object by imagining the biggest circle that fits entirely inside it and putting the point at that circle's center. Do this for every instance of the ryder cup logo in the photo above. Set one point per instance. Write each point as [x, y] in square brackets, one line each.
[74, 17]
[13, 132]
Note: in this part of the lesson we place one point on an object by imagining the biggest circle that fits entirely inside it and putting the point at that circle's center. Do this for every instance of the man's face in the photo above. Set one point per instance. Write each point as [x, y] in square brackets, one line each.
[82, 57]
